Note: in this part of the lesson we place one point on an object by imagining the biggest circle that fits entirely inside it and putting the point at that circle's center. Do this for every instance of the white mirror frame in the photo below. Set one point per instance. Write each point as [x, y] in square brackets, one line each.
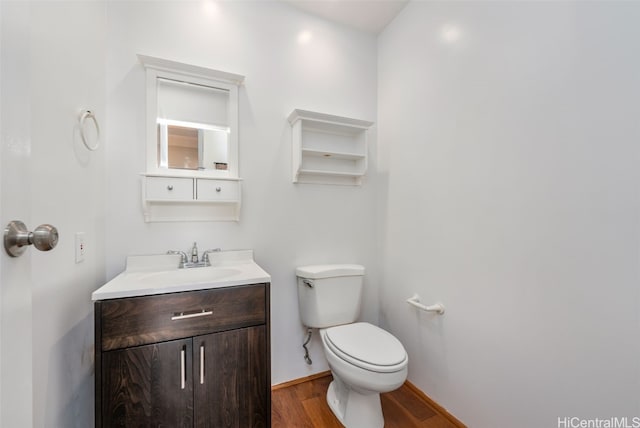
[162, 68]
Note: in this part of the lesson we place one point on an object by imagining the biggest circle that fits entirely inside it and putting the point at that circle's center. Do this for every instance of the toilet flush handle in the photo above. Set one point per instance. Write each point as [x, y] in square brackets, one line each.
[308, 283]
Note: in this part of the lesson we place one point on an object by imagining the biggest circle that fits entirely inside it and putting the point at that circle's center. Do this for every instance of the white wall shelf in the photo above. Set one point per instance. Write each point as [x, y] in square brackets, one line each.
[177, 198]
[328, 149]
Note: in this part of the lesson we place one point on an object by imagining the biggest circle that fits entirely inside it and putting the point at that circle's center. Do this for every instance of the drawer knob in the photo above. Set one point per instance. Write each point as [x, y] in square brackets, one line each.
[218, 189]
[170, 187]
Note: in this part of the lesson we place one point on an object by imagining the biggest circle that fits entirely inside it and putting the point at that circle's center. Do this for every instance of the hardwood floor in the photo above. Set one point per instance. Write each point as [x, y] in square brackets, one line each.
[304, 405]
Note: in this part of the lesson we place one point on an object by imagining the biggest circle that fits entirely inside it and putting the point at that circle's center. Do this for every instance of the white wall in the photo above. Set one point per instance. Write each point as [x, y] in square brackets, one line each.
[55, 54]
[287, 225]
[508, 136]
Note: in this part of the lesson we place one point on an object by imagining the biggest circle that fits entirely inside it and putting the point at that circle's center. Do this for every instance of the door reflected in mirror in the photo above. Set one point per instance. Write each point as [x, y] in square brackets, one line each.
[194, 146]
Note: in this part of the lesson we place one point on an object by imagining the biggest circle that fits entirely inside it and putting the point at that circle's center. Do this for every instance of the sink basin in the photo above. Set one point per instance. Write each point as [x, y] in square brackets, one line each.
[187, 276]
[159, 274]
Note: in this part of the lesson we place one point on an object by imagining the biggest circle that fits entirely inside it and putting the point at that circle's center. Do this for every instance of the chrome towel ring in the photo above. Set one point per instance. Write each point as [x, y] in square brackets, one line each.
[88, 114]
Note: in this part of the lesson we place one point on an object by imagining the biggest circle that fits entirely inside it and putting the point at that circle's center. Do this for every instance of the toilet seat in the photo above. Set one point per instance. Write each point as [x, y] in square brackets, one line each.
[367, 346]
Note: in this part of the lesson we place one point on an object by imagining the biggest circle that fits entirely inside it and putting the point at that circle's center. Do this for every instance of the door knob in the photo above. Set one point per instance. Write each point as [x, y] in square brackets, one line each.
[17, 238]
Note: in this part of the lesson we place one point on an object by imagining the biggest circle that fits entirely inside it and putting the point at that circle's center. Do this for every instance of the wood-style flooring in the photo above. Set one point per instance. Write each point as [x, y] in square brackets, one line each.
[304, 405]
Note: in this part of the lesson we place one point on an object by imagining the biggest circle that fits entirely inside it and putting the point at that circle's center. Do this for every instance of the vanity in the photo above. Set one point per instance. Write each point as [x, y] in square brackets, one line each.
[184, 347]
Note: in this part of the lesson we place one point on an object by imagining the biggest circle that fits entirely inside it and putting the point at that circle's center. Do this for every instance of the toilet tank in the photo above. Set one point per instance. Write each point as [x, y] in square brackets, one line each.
[329, 295]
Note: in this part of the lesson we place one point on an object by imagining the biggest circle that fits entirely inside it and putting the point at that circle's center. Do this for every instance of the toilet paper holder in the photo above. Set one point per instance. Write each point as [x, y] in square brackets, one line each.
[415, 301]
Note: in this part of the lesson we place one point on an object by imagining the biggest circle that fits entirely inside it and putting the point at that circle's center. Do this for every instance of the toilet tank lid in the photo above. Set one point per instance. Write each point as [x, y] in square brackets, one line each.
[329, 271]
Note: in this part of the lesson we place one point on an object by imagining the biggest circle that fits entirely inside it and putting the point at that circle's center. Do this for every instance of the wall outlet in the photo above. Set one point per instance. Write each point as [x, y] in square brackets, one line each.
[80, 247]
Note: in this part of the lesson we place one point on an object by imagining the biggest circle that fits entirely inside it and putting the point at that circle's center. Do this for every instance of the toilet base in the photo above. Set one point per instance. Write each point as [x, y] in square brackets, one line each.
[354, 409]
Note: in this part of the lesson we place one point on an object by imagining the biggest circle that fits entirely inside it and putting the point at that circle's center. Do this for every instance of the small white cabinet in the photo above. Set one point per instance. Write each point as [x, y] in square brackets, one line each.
[166, 198]
[328, 149]
[192, 143]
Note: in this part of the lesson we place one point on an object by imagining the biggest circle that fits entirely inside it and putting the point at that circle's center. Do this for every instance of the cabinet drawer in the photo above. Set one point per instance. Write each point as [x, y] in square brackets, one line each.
[217, 190]
[169, 188]
[149, 319]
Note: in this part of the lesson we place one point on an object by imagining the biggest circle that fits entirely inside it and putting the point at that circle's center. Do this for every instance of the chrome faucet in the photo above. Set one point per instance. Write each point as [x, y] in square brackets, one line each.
[184, 259]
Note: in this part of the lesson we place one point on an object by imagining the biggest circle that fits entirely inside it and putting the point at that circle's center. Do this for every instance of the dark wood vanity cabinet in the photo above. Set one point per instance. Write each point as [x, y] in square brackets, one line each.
[190, 359]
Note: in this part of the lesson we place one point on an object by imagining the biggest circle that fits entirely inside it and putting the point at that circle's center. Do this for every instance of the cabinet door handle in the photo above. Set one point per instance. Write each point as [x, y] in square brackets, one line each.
[201, 364]
[183, 371]
[182, 315]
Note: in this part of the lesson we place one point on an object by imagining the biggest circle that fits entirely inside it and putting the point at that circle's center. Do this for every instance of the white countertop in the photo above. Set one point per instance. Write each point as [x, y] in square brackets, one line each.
[159, 274]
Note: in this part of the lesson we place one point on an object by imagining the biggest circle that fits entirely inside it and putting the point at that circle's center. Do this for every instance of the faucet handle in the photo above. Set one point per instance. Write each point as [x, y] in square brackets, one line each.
[205, 254]
[182, 254]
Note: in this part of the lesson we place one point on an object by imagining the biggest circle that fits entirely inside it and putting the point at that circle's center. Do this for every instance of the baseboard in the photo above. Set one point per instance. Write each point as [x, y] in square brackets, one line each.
[445, 414]
[300, 380]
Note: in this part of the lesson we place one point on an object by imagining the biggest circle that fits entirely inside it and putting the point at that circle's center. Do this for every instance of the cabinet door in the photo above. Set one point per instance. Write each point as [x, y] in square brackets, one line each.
[148, 386]
[231, 376]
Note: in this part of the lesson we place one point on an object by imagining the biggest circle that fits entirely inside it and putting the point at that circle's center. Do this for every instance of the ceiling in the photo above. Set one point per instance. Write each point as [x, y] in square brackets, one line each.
[365, 15]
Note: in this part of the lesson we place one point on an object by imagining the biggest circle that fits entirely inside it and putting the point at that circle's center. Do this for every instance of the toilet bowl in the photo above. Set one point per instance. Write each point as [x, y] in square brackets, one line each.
[365, 361]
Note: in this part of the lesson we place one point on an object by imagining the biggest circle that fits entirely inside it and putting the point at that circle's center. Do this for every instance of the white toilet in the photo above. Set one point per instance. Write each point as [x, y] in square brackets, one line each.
[365, 360]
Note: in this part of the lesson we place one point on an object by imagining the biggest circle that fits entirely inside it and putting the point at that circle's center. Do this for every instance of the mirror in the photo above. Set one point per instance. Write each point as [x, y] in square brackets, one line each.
[195, 146]
[192, 128]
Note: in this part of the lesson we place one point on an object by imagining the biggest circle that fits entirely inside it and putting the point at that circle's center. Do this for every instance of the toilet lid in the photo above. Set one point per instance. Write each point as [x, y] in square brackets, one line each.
[367, 346]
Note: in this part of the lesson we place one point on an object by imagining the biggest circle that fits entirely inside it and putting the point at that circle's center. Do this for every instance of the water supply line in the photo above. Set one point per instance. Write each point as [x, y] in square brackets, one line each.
[304, 345]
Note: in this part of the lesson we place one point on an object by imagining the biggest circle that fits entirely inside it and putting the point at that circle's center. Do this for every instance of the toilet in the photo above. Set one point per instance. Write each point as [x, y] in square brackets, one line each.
[365, 360]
